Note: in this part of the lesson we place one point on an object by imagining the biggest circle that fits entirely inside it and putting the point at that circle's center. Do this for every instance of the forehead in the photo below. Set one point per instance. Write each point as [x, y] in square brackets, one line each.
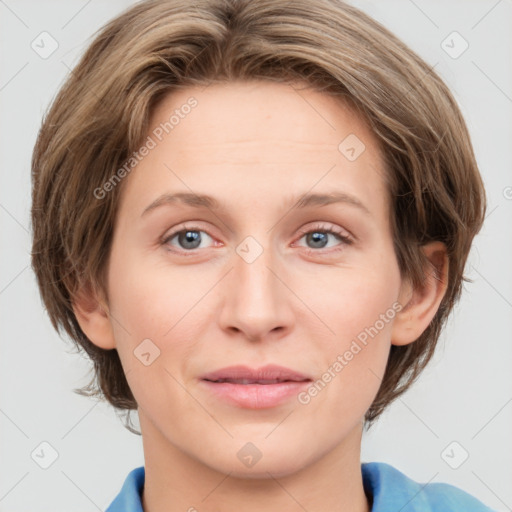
[276, 138]
[242, 111]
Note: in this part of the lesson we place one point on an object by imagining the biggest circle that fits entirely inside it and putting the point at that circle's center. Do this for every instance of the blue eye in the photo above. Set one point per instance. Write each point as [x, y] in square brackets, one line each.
[188, 239]
[319, 238]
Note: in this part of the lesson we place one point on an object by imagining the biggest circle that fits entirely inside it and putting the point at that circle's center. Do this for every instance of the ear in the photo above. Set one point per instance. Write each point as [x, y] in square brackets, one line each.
[419, 306]
[91, 312]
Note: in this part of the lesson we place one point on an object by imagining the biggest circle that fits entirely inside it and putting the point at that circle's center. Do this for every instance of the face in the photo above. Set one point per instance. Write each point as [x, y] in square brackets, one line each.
[256, 276]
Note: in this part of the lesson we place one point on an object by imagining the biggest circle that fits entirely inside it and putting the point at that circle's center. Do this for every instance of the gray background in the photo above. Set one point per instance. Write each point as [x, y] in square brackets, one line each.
[464, 396]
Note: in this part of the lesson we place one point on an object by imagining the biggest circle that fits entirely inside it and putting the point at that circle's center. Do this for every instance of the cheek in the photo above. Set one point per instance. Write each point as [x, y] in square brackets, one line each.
[150, 297]
[351, 366]
[356, 346]
[153, 326]
[353, 300]
[154, 301]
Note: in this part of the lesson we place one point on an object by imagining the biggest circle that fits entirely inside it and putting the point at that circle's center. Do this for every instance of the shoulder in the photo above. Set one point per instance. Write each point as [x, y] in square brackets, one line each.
[390, 488]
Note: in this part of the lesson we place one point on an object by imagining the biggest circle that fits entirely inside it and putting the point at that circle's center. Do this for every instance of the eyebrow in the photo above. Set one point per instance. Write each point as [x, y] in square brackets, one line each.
[303, 201]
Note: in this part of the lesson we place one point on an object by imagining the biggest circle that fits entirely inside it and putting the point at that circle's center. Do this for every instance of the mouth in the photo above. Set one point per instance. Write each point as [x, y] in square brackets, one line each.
[269, 374]
[249, 388]
[255, 381]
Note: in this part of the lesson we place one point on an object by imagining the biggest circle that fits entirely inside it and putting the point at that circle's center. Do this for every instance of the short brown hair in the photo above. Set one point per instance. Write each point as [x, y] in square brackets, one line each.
[101, 116]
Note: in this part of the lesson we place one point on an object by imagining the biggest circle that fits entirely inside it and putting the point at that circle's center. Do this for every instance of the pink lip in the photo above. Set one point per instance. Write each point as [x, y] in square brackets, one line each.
[256, 395]
[268, 372]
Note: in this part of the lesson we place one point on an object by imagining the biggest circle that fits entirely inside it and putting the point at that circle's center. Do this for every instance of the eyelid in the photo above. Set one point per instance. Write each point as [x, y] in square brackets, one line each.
[343, 234]
[185, 226]
[328, 227]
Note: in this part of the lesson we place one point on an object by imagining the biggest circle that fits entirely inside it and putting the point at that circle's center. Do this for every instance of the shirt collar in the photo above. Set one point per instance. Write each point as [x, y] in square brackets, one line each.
[385, 486]
[129, 498]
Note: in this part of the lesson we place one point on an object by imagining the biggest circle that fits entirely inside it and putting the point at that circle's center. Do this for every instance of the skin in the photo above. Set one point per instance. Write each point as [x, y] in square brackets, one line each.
[255, 146]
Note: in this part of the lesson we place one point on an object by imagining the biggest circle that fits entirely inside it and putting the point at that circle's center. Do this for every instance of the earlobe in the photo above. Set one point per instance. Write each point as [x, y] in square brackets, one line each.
[92, 314]
[419, 306]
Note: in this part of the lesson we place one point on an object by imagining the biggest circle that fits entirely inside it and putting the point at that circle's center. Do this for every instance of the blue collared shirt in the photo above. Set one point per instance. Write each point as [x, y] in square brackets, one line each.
[390, 490]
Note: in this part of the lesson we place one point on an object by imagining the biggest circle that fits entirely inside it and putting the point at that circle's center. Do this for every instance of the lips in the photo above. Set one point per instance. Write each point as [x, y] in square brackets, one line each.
[259, 388]
[249, 381]
[270, 374]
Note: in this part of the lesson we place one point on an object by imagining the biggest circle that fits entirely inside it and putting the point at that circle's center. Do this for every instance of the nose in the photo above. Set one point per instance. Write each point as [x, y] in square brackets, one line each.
[257, 301]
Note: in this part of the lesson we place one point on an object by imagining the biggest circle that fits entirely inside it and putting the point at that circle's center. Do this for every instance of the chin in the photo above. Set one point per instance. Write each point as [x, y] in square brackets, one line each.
[265, 463]
[263, 471]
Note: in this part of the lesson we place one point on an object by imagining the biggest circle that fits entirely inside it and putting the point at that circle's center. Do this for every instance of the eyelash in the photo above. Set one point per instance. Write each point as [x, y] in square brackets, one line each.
[321, 228]
[325, 228]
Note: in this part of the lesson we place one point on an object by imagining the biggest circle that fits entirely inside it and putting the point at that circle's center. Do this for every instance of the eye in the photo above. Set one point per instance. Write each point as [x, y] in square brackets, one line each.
[188, 238]
[318, 237]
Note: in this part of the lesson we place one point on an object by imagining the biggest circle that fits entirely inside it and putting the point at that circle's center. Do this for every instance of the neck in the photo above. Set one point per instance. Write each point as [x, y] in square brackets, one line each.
[176, 481]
